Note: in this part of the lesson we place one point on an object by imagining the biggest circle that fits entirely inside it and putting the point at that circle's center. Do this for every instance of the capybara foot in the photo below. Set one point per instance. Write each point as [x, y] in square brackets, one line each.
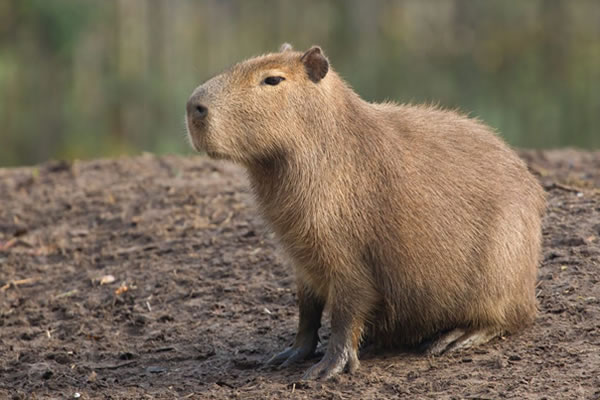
[459, 339]
[332, 363]
[292, 355]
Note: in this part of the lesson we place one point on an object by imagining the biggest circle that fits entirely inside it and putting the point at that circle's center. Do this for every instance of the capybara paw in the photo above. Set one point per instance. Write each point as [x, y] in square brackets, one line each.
[440, 345]
[291, 355]
[459, 339]
[332, 364]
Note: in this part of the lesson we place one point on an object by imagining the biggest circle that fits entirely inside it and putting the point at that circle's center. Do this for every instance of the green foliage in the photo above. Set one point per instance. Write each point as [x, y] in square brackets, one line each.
[82, 78]
[58, 24]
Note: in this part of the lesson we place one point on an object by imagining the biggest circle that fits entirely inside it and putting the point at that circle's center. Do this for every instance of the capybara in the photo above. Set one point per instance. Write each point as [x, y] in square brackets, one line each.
[412, 224]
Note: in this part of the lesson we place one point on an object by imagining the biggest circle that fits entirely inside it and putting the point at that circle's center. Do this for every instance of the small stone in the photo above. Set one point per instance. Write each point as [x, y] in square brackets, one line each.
[106, 279]
[155, 369]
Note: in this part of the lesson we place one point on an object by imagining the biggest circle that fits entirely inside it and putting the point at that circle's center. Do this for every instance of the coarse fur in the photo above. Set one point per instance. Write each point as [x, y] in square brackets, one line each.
[406, 221]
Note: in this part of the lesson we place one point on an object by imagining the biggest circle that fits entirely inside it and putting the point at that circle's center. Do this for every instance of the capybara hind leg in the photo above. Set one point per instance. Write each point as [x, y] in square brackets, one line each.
[441, 344]
[473, 338]
[458, 339]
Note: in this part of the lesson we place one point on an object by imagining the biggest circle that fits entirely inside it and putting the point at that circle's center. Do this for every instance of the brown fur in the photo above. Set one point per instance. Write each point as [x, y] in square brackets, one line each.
[406, 221]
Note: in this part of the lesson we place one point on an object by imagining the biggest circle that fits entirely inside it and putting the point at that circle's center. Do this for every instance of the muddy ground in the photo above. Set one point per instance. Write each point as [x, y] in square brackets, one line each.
[152, 277]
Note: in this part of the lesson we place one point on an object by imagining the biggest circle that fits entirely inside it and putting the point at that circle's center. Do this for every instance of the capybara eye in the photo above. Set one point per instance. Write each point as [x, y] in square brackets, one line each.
[273, 80]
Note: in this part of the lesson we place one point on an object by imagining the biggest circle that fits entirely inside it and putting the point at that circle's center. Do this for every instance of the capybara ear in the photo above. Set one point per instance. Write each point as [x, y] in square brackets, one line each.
[315, 63]
[285, 47]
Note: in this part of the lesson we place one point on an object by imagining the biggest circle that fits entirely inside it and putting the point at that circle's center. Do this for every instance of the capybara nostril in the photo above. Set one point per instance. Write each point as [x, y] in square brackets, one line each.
[201, 111]
[196, 111]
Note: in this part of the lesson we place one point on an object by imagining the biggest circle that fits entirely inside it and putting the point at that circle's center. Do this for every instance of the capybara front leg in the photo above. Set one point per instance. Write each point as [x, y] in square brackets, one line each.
[348, 309]
[307, 337]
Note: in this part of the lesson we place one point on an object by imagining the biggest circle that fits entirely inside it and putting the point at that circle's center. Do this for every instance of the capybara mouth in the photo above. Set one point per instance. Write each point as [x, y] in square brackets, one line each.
[199, 142]
[196, 135]
[196, 146]
[195, 141]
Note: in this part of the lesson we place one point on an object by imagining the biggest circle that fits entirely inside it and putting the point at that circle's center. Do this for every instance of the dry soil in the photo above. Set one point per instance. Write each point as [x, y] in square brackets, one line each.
[153, 277]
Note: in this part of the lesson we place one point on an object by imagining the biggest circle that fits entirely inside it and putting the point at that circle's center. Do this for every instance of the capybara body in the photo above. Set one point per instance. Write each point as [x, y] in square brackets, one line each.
[409, 223]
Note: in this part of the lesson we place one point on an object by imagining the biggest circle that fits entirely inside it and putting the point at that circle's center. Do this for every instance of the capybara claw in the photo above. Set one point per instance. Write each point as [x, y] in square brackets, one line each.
[332, 365]
[291, 356]
[279, 358]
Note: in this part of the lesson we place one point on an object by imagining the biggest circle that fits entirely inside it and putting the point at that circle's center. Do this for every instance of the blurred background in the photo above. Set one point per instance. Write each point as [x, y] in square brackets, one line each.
[87, 78]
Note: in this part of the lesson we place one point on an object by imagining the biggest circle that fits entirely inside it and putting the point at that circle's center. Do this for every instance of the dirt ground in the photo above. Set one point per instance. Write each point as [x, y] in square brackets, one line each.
[153, 277]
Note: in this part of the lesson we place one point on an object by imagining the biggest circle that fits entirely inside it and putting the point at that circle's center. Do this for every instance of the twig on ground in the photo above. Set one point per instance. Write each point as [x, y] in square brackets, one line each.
[18, 282]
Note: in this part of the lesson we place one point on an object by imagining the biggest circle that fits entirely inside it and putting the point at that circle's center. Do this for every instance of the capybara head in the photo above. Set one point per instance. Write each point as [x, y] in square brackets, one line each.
[257, 109]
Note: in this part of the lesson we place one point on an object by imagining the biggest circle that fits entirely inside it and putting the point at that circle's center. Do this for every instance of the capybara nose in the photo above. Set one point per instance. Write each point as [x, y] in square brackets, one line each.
[196, 111]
